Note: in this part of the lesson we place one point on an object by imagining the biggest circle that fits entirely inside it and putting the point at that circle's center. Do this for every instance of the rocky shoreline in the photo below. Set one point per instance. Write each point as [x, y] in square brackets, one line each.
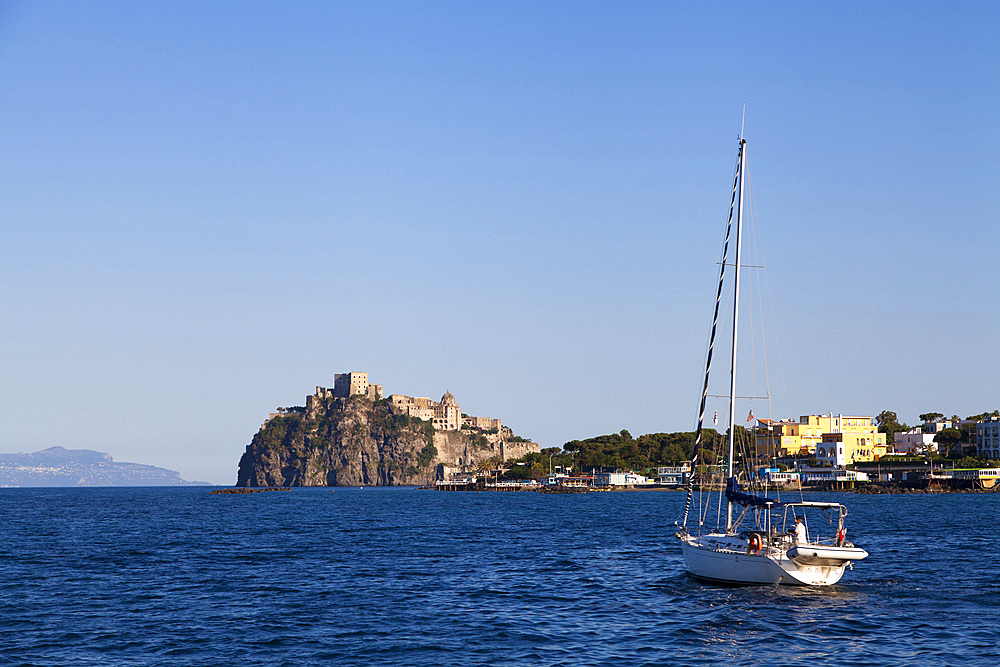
[935, 488]
[244, 489]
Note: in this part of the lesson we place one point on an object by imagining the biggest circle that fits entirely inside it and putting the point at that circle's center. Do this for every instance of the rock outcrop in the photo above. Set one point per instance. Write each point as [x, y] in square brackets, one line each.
[357, 441]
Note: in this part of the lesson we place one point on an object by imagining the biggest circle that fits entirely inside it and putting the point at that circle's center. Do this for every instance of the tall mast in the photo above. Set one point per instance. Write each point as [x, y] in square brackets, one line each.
[711, 339]
[730, 469]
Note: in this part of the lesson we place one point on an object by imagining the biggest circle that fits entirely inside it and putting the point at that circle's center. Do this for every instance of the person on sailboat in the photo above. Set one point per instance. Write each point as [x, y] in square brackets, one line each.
[800, 531]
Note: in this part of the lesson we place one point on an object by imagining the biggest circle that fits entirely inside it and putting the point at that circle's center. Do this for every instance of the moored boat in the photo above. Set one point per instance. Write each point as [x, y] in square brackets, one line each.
[769, 540]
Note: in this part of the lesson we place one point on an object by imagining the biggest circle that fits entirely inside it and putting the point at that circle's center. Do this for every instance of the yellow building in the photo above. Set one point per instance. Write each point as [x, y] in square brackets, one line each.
[787, 437]
[837, 439]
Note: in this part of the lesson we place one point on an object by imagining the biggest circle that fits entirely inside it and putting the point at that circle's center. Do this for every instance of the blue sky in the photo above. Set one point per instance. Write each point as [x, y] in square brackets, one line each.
[209, 208]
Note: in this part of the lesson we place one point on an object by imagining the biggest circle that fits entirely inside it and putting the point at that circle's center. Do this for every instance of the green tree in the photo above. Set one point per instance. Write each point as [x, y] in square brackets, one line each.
[888, 423]
[886, 417]
[427, 454]
[930, 416]
[708, 456]
[949, 440]
[969, 462]
[490, 464]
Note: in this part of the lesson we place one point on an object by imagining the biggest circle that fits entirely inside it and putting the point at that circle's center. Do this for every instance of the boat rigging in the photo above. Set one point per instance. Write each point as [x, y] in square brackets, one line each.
[766, 543]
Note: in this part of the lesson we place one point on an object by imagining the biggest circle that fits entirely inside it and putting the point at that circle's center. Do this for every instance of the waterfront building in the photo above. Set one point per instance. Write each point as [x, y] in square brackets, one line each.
[789, 438]
[778, 477]
[988, 438]
[620, 479]
[985, 478]
[813, 475]
[920, 439]
[673, 475]
[572, 481]
[834, 438]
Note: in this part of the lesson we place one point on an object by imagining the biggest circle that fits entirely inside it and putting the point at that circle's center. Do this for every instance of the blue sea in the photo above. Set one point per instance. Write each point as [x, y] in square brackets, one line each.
[412, 577]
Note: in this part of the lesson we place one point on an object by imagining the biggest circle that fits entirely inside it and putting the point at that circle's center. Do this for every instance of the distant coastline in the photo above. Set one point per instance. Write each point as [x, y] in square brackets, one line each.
[61, 467]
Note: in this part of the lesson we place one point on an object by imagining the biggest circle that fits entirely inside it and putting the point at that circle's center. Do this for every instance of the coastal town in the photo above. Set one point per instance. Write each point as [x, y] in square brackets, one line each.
[457, 451]
[818, 451]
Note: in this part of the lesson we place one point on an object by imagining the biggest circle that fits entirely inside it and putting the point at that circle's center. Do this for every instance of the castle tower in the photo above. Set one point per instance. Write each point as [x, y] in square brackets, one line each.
[447, 413]
[350, 384]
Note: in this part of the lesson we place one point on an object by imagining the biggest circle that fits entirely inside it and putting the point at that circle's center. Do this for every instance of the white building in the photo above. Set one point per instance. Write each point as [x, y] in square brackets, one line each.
[920, 440]
[673, 475]
[988, 438]
[832, 475]
[831, 453]
[620, 479]
[779, 478]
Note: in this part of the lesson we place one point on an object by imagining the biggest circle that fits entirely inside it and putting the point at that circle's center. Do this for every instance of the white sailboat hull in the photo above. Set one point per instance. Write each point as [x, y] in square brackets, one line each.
[725, 559]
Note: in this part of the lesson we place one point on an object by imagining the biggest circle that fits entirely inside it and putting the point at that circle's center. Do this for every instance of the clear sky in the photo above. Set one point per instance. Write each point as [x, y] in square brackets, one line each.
[210, 208]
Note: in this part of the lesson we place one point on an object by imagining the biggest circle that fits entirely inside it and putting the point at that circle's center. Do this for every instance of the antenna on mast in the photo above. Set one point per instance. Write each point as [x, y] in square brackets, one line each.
[743, 120]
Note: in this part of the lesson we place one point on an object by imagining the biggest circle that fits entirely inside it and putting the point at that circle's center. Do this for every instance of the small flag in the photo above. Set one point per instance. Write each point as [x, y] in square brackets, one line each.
[750, 416]
[715, 419]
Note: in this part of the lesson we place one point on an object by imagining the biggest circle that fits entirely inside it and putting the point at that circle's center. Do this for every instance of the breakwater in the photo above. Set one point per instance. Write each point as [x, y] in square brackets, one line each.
[243, 489]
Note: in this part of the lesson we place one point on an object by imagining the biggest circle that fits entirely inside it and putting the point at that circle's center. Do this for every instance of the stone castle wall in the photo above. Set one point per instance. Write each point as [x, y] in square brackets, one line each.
[517, 450]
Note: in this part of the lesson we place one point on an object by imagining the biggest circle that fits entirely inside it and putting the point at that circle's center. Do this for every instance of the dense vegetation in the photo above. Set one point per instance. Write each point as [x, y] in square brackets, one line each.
[621, 450]
[616, 451]
[281, 432]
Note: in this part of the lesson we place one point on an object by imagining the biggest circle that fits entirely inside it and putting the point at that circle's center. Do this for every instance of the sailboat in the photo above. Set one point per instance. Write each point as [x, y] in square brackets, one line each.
[769, 540]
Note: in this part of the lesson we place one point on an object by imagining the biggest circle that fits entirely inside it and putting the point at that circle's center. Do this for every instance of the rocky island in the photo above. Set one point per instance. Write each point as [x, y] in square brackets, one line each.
[351, 435]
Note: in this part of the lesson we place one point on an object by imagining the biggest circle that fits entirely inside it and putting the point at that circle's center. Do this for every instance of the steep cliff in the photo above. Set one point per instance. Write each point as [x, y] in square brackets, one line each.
[353, 441]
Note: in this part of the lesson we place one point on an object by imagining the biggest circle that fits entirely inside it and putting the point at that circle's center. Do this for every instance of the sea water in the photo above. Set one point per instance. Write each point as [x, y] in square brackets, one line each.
[410, 577]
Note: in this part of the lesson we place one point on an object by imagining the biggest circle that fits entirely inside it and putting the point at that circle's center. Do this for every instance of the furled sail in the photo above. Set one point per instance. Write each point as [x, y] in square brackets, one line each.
[711, 341]
[734, 495]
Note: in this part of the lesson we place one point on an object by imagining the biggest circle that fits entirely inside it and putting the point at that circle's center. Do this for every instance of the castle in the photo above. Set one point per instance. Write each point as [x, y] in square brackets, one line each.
[463, 443]
[446, 414]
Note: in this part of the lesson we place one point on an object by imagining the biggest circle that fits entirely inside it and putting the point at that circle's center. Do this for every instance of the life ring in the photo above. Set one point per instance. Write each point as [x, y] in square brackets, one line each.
[755, 543]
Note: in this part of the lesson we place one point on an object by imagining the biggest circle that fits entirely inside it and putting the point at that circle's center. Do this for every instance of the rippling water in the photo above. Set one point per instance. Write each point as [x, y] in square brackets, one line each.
[141, 576]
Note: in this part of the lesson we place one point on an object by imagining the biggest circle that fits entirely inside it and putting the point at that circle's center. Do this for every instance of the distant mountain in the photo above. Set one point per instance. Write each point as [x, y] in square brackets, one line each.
[58, 466]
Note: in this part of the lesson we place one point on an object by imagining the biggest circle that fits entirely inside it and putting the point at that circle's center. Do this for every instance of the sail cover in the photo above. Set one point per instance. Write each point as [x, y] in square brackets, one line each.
[734, 495]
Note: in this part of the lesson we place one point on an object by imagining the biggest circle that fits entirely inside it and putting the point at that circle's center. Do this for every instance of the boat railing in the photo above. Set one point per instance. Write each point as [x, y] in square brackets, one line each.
[824, 542]
[787, 540]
